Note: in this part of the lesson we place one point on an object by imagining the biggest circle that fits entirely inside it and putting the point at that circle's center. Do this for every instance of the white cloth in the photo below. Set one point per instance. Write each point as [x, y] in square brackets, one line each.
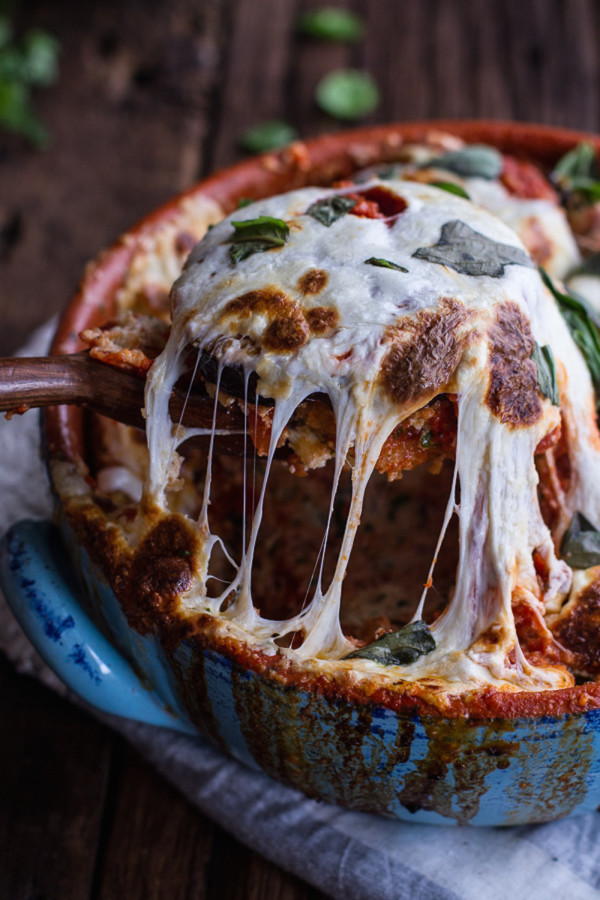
[351, 856]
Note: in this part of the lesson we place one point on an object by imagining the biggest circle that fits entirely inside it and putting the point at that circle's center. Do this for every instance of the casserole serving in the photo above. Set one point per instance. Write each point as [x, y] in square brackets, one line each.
[388, 324]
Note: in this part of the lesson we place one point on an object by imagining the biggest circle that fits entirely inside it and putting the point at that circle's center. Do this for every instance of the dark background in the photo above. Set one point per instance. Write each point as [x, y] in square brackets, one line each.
[152, 95]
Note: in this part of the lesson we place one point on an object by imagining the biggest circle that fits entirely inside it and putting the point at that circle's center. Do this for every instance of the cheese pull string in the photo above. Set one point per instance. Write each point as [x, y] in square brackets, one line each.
[451, 509]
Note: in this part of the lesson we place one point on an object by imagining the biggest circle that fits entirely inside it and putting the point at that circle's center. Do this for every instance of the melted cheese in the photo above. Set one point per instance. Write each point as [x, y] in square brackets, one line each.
[500, 523]
[540, 223]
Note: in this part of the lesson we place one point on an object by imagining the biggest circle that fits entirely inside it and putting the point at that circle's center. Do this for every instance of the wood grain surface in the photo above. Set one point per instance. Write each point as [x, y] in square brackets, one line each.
[152, 95]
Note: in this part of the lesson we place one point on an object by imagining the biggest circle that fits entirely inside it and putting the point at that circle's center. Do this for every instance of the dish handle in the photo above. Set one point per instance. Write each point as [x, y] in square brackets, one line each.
[36, 578]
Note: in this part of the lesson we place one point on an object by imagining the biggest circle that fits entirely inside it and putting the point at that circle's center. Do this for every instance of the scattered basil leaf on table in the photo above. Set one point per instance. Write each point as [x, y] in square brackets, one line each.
[400, 648]
[384, 264]
[257, 235]
[582, 328]
[474, 161]
[471, 253]
[544, 360]
[347, 94]
[330, 209]
[331, 24]
[452, 188]
[580, 547]
[33, 63]
[267, 136]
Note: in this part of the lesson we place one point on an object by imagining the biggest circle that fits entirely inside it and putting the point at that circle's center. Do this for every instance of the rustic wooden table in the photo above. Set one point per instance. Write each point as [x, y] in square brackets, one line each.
[151, 96]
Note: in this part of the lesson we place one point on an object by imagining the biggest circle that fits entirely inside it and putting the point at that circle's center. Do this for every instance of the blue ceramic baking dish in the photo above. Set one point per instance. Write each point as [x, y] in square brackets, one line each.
[525, 764]
[505, 771]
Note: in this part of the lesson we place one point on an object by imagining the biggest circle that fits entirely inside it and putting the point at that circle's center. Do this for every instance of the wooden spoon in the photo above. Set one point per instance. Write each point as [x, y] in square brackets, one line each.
[79, 380]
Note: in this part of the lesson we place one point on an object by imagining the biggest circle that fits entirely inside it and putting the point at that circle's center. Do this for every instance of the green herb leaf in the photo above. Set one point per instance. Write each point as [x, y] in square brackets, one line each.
[544, 360]
[577, 172]
[581, 161]
[474, 161]
[244, 201]
[384, 264]
[267, 136]
[400, 648]
[347, 94]
[330, 209]
[470, 253]
[35, 62]
[452, 188]
[582, 328]
[17, 113]
[587, 187]
[331, 24]
[426, 439]
[256, 236]
[41, 57]
[580, 546]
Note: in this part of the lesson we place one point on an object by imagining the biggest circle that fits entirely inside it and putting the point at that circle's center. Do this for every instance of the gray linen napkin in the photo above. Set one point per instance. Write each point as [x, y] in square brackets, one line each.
[351, 856]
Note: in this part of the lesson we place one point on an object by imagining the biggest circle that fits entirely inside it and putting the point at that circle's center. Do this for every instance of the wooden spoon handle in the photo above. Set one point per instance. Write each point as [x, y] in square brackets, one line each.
[79, 380]
[76, 380]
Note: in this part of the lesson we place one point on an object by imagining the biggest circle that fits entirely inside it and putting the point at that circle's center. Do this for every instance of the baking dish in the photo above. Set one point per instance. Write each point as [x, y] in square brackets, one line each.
[498, 760]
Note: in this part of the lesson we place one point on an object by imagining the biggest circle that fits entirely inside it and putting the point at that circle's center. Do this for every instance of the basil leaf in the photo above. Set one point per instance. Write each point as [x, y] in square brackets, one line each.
[18, 115]
[544, 360]
[451, 187]
[426, 440]
[400, 648]
[582, 328]
[580, 161]
[256, 236]
[23, 66]
[267, 136]
[580, 547]
[41, 57]
[331, 24]
[244, 201]
[384, 264]
[347, 94]
[330, 209]
[586, 186]
[578, 172]
[475, 161]
[470, 253]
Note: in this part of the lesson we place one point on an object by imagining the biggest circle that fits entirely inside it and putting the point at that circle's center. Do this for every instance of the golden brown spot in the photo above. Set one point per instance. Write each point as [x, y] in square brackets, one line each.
[287, 329]
[313, 281]
[513, 393]
[264, 300]
[322, 319]
[285, 334]
[425, 352]
[162, 568]
[579, 631]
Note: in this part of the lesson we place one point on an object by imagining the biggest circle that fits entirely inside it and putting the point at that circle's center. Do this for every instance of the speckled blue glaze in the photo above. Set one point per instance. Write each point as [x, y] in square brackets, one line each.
[496, 772]
[37, 580]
